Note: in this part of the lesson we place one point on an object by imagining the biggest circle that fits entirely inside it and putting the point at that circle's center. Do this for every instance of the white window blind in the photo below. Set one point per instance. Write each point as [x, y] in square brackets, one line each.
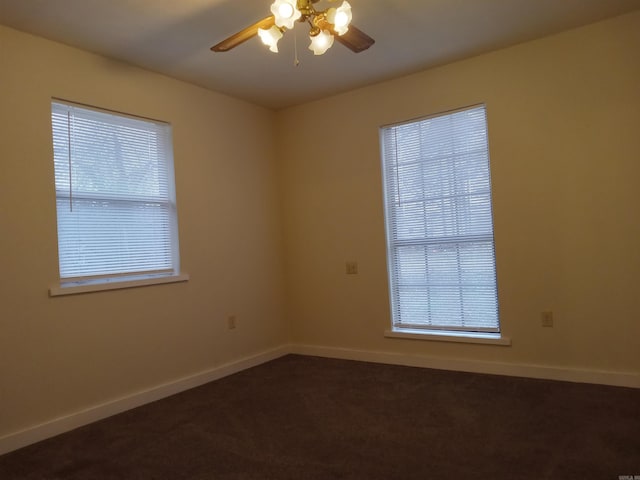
[115, 194]
[439, 223]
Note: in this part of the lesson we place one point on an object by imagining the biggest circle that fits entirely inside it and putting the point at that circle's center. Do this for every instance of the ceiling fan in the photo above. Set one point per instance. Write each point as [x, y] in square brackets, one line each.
[325, 26]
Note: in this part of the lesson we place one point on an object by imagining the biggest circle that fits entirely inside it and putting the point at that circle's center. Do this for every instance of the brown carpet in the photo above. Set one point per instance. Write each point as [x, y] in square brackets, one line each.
[311, 418]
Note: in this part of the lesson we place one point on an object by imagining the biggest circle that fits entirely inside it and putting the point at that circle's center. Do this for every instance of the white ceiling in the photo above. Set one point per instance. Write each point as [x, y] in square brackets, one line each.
[174, 36]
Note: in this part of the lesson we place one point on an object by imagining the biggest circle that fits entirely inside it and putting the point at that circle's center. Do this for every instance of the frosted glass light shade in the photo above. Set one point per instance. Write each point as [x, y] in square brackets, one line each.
[270, 37]
[340, 18]
[285, 13]
[321, 42]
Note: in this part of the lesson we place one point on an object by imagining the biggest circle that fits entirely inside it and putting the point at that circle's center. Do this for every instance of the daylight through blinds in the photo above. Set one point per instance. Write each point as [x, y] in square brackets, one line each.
[114, 191]
[439, 223]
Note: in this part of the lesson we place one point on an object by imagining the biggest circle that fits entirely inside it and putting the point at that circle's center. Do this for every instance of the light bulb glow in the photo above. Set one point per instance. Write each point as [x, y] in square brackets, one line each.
[340, 18]
[321, 42]
[285, 13]
[285, 10]
[270, 37]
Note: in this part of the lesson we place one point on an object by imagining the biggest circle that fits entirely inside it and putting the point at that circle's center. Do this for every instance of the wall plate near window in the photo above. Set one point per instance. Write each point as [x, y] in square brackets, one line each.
[115, 200]
[439, 227]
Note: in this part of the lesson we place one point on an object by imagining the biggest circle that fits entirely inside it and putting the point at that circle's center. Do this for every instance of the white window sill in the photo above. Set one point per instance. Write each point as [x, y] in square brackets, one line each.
[449, 336]
[73, 288]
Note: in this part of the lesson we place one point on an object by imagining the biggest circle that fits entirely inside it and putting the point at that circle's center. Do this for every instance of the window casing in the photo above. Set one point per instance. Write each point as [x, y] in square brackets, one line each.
[439, 225]
[115, 196]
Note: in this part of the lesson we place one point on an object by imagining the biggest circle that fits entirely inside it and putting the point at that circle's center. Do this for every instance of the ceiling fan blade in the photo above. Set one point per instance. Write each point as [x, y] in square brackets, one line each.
[243, 35]
[355, 39]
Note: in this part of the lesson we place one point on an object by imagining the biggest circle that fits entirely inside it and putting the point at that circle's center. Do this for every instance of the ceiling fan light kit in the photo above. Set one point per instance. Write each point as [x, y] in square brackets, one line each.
[325, 27]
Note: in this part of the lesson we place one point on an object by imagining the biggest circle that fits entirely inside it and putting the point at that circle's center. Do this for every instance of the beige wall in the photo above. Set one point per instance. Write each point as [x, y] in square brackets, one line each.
[564, 123]
[61, 355]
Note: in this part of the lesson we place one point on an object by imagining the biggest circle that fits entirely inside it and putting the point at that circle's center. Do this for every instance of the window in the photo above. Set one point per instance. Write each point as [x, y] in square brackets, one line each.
[439, 225]
[115, 198]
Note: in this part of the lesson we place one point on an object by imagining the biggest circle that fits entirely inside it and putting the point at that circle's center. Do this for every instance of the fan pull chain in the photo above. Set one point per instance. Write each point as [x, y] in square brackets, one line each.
[296, 61]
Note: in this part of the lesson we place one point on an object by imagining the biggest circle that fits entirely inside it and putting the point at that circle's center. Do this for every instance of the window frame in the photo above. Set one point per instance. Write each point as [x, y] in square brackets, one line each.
[126, 199]
[450, 332]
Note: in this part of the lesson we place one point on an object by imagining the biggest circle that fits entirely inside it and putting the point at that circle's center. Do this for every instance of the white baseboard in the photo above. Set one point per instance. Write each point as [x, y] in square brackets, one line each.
[64, 424]
[618, 379]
